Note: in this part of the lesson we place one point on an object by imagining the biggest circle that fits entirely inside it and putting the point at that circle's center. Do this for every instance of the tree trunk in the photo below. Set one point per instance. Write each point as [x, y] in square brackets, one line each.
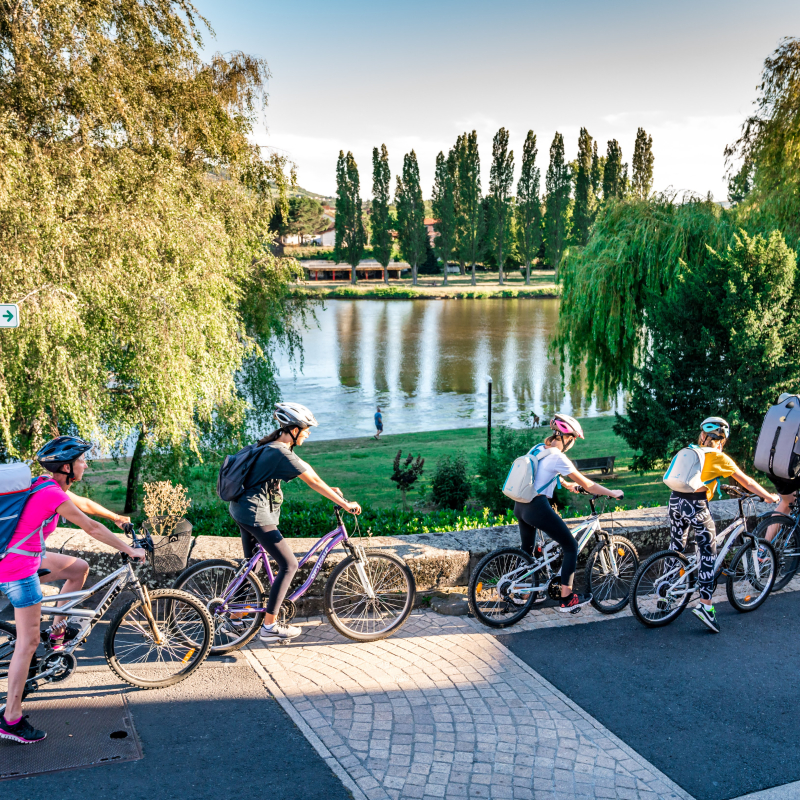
[527, 272]
[463, 267]
[444, 279]
[133, 472]
[414, 274]
[386, 274]
[354, 275]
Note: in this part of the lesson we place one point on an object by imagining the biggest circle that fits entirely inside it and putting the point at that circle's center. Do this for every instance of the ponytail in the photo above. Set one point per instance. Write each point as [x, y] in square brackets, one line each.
[270, 437]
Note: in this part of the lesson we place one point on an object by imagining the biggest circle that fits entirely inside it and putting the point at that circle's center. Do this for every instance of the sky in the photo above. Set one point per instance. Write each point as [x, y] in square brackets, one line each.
[351, 75]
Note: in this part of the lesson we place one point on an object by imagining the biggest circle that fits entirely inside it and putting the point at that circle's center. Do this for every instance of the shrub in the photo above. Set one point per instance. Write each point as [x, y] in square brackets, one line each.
[450, 486]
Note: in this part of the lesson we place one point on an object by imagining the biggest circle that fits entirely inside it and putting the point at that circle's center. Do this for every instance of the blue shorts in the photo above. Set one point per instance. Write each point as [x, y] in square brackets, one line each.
[23, 593]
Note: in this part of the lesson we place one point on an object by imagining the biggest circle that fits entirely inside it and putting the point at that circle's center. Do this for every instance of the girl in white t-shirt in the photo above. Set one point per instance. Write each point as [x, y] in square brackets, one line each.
[539, 513]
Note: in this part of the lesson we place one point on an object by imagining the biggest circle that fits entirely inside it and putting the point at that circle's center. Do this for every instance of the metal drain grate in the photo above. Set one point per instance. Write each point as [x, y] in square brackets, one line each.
[81, 732]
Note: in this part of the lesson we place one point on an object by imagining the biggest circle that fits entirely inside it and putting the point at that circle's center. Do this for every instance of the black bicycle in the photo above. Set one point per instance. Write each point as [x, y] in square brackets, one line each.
[785, 542]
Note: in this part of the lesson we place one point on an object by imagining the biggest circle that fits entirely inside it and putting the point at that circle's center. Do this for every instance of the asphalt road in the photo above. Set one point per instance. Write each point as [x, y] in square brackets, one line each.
[214, 736]
[716, 713]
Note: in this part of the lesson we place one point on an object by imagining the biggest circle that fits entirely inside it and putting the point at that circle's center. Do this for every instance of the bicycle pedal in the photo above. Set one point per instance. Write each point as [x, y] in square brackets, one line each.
[575, 611]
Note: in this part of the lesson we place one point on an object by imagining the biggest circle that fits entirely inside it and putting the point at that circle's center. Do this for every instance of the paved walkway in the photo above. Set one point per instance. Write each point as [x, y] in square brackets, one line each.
[443, 710]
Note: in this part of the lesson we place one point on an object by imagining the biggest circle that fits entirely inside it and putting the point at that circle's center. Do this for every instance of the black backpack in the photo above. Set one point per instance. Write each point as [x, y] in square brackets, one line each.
[233, 472]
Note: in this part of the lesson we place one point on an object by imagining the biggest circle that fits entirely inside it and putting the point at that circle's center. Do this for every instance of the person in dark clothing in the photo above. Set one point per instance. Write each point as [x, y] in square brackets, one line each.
[257, 511]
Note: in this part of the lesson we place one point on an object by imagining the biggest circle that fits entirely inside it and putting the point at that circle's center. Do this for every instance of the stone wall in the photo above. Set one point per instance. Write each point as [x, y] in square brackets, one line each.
[438, 560]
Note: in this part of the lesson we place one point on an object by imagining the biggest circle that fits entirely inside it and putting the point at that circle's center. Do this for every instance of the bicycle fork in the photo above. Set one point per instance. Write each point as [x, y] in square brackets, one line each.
[359, 560]
[148, 612]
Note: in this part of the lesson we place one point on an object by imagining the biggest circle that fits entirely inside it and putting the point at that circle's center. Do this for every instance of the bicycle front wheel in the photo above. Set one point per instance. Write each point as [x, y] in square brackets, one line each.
[661, 589]
[183, 640]
[491, 598]
[209, 580]
[368, 613]
[786, 543]
[609, 574]
[751, 576]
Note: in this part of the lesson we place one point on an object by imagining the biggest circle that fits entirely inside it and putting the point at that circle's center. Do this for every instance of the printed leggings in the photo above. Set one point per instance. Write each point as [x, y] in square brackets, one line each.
[279, 551]
[683, 515]
[539, 514]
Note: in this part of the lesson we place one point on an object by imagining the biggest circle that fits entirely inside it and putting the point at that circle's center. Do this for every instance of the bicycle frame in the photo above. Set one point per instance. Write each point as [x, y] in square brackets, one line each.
[731, 532]
[322, 547]
[550, 553]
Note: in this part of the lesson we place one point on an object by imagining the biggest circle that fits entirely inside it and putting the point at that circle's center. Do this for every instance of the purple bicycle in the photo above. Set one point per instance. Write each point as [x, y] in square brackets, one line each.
[368, 595]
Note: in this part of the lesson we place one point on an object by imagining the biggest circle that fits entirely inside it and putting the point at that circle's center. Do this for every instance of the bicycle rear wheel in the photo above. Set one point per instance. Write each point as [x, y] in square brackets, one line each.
[358, 616]
[751, 576]
[786, 544]
[184, 627]
[209, 581]
[661, 589]
[489, 596]
[609, 582]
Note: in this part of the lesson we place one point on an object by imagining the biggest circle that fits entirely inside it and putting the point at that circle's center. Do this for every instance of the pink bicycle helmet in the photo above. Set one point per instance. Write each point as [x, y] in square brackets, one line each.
[567, 425]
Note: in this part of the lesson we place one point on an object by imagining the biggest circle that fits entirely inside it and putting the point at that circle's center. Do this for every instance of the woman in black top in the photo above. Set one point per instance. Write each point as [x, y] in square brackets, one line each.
[257, 512]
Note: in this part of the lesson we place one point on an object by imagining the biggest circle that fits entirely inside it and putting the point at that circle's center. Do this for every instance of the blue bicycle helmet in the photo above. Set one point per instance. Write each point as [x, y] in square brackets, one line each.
[60, 451]
[715, 428]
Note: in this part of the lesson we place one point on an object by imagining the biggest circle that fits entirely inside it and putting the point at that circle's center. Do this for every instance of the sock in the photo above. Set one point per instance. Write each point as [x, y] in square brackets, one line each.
[12, 724]
[270, 626]
[707, 606]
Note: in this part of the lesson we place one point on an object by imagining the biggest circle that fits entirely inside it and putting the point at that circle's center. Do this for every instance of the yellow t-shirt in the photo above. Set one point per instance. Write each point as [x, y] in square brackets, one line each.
[716, 465]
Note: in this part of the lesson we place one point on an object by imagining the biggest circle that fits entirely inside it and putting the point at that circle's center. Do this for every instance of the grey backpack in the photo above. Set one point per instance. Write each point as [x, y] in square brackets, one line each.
[778, 449]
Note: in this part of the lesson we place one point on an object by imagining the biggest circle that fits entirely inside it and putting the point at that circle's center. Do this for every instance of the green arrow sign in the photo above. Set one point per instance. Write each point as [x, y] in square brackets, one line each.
[9, 315]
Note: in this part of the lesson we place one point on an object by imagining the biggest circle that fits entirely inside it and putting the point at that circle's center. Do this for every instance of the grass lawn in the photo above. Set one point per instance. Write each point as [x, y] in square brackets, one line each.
[362, 467]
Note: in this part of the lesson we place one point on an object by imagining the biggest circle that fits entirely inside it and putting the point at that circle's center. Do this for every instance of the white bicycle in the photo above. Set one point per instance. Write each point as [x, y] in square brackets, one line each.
[666, 581]
[156, 639]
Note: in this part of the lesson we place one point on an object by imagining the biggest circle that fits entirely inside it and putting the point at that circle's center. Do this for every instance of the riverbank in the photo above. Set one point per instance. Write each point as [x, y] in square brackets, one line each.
[362, 467]
[429, 287]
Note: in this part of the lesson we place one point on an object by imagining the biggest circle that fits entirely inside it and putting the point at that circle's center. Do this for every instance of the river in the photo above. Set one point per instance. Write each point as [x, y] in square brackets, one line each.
[426, 364]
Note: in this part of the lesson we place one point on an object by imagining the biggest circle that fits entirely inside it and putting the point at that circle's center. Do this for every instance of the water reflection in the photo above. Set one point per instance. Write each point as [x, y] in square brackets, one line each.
[425, 363]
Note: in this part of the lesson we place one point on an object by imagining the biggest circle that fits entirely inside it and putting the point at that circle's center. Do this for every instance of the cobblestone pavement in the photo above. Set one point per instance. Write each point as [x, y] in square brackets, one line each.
[443, 710]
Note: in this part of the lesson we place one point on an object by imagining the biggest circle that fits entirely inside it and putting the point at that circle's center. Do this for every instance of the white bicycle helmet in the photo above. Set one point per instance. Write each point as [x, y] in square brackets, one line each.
[715, 428]
[291, 415]
[567, 425]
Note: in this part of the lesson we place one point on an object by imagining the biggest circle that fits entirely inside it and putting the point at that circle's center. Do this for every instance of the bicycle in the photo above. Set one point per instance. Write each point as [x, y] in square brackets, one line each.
[367, 597]
[666, 581]
[156, 639]
[507, 583]
[786, 541]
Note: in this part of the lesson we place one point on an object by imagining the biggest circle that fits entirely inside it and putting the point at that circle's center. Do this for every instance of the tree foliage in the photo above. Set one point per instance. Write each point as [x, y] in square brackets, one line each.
[529, 205]
[382, 223]
[723, 341]
[133, 224]
[302, 216]
[469, 199]
[613, 172]
[444, 209]
[556, 220]
[501, 177]
[642, 179]
[406, 474]
[582, 212]
[411, 230]
[350, 236]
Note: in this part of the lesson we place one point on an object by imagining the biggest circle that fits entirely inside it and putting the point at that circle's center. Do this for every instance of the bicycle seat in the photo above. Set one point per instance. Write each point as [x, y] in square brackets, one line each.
[42, 572]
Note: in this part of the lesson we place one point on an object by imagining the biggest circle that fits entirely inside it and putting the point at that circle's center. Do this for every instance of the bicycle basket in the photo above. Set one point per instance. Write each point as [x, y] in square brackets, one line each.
[170, 553]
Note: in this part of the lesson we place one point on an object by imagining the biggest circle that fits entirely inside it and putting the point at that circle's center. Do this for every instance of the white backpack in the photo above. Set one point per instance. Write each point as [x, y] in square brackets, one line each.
[685, 469]
[520, 483]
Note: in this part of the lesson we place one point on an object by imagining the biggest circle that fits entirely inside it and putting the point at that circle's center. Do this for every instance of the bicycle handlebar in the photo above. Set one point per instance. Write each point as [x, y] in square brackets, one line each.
[144, 543]
[736, 492]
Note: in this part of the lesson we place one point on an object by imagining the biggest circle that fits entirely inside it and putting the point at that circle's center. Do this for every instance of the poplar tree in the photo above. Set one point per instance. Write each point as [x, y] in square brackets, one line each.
[557, 185]
[381, 218]
[469, 198]
[642, 165]
[529, 208]
[349, 246]
[411, 229]
[598, 162]
[444, 211]
[582, 209]
[501, 177]
[613, 178]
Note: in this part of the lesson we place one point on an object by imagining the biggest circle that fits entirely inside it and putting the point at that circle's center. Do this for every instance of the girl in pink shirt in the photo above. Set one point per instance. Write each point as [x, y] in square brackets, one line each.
[64, 457]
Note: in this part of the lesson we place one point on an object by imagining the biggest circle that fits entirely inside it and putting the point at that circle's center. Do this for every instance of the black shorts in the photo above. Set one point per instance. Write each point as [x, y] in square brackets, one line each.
[785, 485]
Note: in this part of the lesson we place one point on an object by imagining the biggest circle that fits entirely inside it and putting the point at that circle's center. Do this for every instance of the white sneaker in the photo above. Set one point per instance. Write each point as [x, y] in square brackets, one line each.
[278, 633]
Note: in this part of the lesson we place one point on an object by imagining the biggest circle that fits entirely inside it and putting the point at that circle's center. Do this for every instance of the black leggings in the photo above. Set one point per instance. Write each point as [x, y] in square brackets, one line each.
[279, 551]
[540, 514]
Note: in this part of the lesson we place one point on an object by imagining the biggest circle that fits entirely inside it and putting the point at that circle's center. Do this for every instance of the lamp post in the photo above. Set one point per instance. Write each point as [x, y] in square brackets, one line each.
[489, 419]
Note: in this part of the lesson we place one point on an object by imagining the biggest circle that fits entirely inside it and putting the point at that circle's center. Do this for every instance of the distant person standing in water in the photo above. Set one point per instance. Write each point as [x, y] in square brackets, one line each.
[378, 423]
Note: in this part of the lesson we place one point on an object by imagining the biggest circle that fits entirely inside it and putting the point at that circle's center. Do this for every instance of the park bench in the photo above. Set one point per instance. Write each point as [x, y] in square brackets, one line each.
[605, 464]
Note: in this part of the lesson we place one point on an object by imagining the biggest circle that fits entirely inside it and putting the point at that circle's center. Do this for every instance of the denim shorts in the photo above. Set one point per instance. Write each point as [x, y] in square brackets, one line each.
[23, 593]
